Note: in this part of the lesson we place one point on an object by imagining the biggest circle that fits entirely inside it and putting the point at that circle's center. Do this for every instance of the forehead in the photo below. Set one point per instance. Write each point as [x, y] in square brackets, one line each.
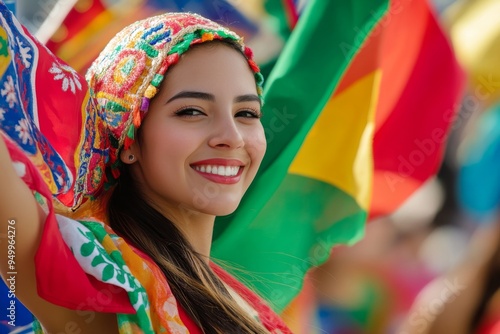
[212, 67]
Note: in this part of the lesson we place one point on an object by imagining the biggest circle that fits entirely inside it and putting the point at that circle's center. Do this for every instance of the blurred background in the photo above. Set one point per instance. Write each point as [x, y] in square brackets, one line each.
[397, 278]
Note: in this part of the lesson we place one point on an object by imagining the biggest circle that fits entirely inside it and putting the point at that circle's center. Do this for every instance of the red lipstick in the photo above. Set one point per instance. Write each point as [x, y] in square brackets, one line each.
[224, 171]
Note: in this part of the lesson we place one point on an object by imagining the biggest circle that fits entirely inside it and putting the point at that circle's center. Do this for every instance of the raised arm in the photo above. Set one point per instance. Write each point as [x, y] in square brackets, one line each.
[21, 223]
[21, 220]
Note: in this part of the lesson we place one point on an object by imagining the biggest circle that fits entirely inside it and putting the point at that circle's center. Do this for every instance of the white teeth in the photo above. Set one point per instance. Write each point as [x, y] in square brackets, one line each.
[218, 170]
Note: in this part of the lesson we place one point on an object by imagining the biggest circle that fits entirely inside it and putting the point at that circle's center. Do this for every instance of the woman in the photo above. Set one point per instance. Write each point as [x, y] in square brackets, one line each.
[175, 141]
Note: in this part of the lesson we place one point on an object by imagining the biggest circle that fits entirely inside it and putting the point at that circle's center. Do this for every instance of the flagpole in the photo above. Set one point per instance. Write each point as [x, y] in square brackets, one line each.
[54, 20]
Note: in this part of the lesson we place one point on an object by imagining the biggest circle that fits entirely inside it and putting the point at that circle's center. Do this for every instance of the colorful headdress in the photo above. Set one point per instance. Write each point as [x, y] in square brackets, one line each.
[73, 132]
[129, 71]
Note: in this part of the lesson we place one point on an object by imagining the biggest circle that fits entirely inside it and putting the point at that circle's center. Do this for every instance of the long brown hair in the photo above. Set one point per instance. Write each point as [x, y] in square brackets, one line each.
[197, 289]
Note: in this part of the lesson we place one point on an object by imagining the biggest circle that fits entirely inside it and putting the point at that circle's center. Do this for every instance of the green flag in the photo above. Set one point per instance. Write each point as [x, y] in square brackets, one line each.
[287, 222]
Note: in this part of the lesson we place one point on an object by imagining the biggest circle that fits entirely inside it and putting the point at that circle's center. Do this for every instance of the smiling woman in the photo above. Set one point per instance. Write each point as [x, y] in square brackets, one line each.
[203, 116]
[170, 138]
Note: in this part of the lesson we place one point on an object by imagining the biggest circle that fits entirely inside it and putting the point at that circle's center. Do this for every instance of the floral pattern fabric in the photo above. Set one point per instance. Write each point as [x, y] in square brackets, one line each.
[46, 111]
[108, 258]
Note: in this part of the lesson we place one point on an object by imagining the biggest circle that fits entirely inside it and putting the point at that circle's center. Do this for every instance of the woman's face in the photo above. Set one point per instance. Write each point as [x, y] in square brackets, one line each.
[202, 141]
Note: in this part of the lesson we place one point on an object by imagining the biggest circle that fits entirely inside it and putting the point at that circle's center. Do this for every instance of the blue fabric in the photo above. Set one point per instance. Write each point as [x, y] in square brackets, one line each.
[479, 175]
[22, 318]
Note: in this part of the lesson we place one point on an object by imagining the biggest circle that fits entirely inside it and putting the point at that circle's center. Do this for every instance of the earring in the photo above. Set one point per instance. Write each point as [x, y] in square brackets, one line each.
[131, 157]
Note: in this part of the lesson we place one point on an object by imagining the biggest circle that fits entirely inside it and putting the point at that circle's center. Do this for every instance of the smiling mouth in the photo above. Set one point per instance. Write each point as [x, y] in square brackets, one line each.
[227, 171]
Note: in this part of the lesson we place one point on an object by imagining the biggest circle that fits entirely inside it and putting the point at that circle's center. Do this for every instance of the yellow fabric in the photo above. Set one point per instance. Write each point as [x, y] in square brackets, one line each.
[338, 149]
[5, 58]
[474, 29]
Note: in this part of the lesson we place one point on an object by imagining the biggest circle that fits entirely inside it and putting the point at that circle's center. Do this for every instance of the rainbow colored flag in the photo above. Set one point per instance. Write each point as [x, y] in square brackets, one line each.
[357, 111]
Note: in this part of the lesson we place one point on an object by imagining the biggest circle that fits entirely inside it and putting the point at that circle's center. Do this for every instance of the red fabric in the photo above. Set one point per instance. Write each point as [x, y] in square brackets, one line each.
[291, 13]
[190, 325]
[490, 326]
[421, 117]
[421, 82]
[57, 112]
[69, 279]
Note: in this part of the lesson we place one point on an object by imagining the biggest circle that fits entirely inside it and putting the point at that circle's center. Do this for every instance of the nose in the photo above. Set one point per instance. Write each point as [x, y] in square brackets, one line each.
[226, 133]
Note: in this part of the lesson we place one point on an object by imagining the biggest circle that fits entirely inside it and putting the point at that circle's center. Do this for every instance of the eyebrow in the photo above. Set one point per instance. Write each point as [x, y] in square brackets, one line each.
[247, 98]
[211, 97]
[195, 95]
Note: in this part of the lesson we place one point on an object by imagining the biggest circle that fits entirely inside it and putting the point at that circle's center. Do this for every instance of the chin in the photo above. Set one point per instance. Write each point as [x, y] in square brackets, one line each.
[221, 208]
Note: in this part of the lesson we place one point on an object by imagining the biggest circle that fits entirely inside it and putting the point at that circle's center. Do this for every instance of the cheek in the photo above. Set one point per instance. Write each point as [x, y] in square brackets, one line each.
[256, 144]
[160, 144]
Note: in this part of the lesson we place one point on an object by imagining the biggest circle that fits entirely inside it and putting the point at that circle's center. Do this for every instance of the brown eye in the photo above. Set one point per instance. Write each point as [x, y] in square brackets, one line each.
[249, 114]
[189, 112]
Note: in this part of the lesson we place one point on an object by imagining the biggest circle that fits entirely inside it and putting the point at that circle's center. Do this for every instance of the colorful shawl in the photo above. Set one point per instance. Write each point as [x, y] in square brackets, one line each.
[52, 126]
[152, 307]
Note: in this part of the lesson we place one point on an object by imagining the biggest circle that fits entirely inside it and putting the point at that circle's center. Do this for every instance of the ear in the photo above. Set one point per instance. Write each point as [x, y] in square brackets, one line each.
[130, 155]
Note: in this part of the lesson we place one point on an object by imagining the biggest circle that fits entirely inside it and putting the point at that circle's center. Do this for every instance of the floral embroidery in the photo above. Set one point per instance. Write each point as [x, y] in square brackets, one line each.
[68, 76]
[9, 92]
[38, 87]
[23, 131]
[25, 56]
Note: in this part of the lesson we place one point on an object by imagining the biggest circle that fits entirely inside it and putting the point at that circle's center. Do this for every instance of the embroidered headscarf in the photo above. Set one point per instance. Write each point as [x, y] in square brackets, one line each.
[128, 73]
[72, 134]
